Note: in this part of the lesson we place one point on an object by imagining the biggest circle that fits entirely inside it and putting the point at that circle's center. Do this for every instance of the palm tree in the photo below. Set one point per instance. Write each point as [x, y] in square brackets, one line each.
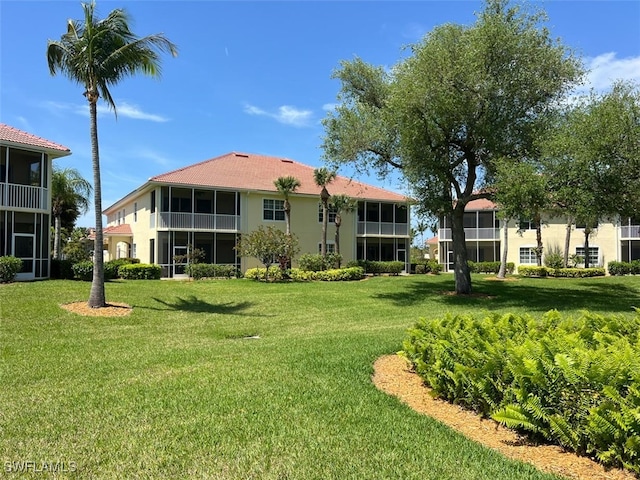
[341, 204]
[323, 177]
[69, 196]
[97, 54]
[286, 186]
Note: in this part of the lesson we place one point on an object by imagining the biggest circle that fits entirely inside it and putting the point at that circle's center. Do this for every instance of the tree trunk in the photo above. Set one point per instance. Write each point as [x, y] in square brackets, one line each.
[567, 242]
[461, 273]
[503, 263]
[539, 247]
[97, 296]
[324, 197]
[338, 223]
[587, 233]
[287, 215]
[56, 237]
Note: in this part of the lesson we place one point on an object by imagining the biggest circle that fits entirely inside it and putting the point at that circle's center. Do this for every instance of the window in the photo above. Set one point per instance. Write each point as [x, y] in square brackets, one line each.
[135, 212]
[272, 209]
[331, 247]
[582, 225]
[524, 224]
[332, 213]
[528, 256]
[594, 257]
[133, 251]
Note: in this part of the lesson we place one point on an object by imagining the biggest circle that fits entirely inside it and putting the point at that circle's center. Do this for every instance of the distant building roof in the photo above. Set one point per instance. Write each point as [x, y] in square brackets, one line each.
[432, 241]
[9, 134]
[122, 229]
[481, 204]
[248, 171]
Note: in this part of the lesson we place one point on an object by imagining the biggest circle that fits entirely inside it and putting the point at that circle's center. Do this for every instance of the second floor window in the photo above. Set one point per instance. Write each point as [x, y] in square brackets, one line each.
[272, 209]
[332, 213]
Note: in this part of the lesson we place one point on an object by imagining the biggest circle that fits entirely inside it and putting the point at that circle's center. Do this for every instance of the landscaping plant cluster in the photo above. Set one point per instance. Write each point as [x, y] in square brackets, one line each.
[299, 275]
[624, 268]
[125, 268]
[534, 271]
[570, 381]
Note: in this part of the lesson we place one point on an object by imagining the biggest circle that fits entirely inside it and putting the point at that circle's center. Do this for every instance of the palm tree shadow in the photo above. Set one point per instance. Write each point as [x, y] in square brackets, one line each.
[196, 305]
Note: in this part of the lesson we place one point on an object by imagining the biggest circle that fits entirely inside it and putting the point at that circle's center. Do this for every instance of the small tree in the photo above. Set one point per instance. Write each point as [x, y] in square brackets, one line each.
[286, 186]
[69, 199]
[269, 245]
[323, 177]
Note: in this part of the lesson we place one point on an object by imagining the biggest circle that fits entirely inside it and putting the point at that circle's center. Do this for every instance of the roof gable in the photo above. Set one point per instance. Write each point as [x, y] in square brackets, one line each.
[248, 171]
[17, 136]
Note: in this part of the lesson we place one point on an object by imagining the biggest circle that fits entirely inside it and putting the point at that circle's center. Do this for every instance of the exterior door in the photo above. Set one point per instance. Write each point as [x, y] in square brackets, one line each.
[24, 248]
[402, 257]
[179, 261]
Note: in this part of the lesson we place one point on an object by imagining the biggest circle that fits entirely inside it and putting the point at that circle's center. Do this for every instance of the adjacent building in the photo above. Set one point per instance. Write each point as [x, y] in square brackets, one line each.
[25, 199]
[208, 206]
[614, 239]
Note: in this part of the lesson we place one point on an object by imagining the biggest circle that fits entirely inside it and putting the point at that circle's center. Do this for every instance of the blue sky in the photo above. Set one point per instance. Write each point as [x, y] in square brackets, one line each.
[251, 76]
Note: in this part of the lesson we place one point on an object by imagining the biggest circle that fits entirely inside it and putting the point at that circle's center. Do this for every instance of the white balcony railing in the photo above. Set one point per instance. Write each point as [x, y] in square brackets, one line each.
[383, 228]
[630, 232]
[195, 221]
[23, 196]
[444, 234]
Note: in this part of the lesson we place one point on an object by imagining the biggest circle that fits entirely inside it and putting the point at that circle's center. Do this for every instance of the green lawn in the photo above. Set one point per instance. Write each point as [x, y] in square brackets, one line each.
[176, 390]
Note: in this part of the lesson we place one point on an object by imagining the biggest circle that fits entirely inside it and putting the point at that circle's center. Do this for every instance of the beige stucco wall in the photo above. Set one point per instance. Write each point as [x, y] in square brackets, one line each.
[304, 224]
[605, 237]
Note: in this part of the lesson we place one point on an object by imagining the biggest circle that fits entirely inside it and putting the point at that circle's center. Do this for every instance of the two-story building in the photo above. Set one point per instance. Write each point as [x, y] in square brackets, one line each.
[613, 239]
[208, 205]
[25, 199]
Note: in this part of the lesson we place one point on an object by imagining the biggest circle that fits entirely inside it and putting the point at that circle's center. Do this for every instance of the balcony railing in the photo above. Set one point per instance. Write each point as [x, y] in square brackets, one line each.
[195, 221]
[630, 232]
[383, 228]
[444, 234]
[23, 196]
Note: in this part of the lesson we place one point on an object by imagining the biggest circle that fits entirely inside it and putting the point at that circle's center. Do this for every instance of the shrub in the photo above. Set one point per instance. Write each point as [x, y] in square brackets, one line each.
[553, 257]
[489, 267]
[570, 381]
[619, 268]
[61, 269]
[275, 273]
[83, 271]
[532, 271]
[10, 266]
[210, 270]
[312, 262]
[377, 268]
[140, 271]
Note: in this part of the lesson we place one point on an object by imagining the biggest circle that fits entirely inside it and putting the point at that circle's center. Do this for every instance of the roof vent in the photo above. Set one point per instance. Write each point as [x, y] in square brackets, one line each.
[286, 160]
[243, 155]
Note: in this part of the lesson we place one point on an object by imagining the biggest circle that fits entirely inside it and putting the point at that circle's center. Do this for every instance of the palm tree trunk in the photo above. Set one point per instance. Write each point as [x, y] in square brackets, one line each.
[56, 237]
[587, 233]
[97, 296]
[539, 247]
[503, 264]
[338, 223]
[567, 242]
[323, 244]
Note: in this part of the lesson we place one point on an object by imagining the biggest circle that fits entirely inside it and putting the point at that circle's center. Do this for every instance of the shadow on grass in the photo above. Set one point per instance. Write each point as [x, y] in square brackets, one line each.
[534, 295]
[194, 304]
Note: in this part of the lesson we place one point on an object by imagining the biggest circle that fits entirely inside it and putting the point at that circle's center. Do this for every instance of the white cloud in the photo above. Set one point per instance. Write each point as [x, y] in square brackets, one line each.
[606, 68]
[285, 114]
[152, 156]
[124, 109]
[330, 107]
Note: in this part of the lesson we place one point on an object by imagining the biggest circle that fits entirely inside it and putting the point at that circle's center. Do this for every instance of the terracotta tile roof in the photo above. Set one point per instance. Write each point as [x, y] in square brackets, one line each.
[14, 135]
[122, 229]
[248, 171]
[432, 241]
[481, 204]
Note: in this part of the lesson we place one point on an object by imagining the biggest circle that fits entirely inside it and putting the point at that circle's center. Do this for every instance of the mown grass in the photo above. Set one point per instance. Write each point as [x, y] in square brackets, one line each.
[181, 388]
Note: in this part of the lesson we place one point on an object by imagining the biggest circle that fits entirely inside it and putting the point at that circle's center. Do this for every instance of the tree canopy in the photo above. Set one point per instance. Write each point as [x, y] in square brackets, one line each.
[466, 99]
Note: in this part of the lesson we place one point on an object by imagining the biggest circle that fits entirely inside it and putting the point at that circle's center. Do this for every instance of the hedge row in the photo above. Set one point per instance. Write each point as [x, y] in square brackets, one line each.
[489, 267]
[624, 268]
[210, 270]
[299, 275]
[377, 268]
[84, 270]
[570, 381]
[534, 271]
[432, 266]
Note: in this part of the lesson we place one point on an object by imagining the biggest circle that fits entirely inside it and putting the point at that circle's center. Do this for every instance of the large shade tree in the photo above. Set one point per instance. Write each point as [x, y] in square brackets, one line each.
[70, 193]
[464, 100]
[592, 157]
[97, 54]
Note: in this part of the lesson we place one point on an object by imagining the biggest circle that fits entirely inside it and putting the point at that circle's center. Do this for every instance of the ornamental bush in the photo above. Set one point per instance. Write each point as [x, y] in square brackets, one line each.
[489, 267]
[10, 266]
[140, 271]
[83, 270]
[570, 381]
[210, 270]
